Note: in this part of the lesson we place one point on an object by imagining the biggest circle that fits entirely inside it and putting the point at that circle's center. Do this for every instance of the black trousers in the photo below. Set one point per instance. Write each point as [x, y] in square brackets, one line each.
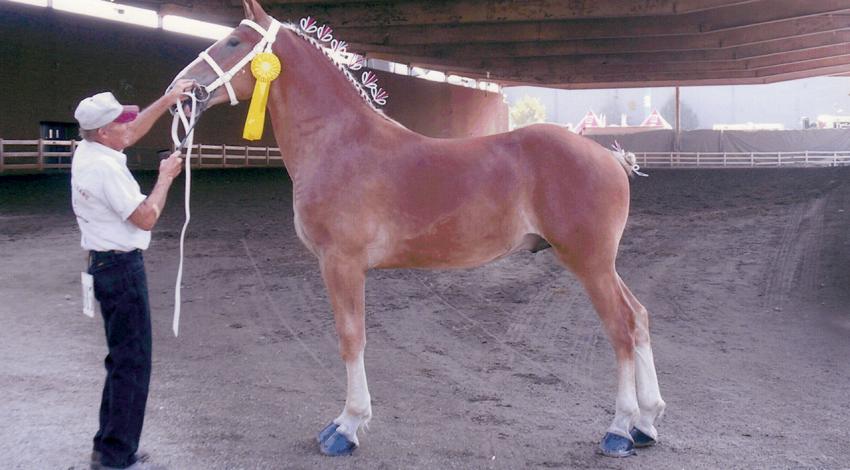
[120, 285]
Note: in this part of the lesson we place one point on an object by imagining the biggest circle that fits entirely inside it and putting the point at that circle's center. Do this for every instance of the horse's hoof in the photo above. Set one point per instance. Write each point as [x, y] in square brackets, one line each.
[337, 445]
[614, 445]
[641, 439]
[324, 434]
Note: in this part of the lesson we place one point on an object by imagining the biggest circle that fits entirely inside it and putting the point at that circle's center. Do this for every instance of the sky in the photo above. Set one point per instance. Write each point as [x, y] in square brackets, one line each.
[784, 102]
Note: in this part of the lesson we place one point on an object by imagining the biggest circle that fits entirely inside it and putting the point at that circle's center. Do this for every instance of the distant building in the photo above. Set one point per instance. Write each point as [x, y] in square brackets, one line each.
[656, 121]
[827, 121]
[592, 125]
[589, 121]
[749, 126]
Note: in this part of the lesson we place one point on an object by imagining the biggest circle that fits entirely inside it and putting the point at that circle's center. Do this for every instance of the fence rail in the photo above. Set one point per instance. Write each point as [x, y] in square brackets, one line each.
[233, 156]
[38, 155]
[43, 154]
[741, 159]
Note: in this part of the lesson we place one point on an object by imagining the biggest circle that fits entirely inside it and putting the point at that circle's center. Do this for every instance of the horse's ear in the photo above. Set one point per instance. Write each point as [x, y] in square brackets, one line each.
[253, 11]
[249, 9]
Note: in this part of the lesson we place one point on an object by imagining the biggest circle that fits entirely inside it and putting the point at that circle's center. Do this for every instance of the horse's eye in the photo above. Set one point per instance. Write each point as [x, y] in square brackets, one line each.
[233, 42]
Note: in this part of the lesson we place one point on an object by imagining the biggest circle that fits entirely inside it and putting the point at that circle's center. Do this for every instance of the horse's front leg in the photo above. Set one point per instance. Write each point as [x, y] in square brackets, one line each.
[345, 281]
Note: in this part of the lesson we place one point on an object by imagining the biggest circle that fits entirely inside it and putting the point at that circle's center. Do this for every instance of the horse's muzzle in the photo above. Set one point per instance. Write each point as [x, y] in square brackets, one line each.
[200, 94]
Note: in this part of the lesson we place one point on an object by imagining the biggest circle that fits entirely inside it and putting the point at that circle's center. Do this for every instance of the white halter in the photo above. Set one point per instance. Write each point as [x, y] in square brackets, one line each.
[264, 45]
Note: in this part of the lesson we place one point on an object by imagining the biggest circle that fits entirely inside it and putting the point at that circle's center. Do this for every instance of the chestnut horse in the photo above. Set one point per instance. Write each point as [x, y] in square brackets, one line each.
[369, 193]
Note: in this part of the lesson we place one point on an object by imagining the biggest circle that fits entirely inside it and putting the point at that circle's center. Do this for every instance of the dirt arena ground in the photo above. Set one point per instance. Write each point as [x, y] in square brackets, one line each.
[746, 274]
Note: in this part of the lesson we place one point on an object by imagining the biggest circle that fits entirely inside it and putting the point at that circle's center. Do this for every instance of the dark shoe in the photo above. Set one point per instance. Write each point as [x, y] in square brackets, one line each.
[641, 439]
[141, 456]
[615, 445]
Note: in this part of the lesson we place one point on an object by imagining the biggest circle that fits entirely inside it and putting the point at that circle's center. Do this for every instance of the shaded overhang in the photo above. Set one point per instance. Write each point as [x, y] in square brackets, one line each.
[579, 44]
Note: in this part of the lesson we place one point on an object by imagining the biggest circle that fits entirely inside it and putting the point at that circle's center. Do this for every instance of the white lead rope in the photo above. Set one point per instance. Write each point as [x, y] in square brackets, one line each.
[189, 129]
[265, 44]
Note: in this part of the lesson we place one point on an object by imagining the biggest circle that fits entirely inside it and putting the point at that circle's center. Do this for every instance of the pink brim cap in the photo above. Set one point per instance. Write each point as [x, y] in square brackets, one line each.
[129, 114]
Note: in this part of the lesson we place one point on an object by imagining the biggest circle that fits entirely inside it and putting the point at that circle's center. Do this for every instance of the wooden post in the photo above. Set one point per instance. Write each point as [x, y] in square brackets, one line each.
[807, 158]
[697, 159]
[223, 154]
[835, 159]
[40, 154]
[246, 155]
[1, 155]
[268, 156]
[779, 159]
[752, 160]
[678, 133]
[724, 159]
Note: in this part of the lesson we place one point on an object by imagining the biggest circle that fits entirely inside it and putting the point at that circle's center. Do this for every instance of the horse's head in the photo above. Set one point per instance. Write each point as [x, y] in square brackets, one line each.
[222, 72]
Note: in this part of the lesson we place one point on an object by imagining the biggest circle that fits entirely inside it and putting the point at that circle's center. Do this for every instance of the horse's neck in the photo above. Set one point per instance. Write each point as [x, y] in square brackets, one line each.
[314, 109]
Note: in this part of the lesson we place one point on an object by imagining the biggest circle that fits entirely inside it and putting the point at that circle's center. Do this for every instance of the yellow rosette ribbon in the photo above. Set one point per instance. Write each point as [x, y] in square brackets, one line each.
[265, 67]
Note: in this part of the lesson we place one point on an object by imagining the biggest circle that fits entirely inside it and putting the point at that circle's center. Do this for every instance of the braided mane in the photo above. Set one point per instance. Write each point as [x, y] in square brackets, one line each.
[347, 63]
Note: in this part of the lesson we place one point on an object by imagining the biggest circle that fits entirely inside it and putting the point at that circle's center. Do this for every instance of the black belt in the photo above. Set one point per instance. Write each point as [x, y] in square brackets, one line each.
[115, 252]
[102, 255]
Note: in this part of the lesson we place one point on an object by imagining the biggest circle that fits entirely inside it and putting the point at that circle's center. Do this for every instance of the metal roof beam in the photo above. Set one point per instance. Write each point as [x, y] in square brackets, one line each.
[411, 12]
[781, 31]
[693, 23]
[650, 78]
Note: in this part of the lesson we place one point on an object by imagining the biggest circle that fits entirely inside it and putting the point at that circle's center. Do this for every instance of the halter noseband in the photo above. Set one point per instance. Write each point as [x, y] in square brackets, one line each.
[264, 45]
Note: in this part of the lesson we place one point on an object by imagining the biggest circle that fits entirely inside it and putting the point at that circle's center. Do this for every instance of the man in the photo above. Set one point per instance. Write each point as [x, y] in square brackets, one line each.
[115, 219]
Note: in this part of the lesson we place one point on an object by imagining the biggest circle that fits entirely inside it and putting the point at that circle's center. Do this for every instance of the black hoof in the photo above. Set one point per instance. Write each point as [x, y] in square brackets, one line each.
[336, 444]
[614, 445]
[324, 434]
[641, 439]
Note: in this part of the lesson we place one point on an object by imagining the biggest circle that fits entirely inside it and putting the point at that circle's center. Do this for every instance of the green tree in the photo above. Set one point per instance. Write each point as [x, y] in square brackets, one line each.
[527, 110]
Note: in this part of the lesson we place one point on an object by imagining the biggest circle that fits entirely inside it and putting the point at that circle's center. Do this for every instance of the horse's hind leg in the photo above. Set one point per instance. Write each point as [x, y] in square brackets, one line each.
[346, 282]
[648, 394]
[638, 399]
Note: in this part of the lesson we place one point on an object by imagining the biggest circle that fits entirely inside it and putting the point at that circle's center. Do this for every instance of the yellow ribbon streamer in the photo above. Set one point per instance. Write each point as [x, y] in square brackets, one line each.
[265, 67]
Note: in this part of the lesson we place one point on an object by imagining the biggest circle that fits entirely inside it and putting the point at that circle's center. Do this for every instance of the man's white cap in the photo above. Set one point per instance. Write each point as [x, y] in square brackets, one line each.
[99, 110]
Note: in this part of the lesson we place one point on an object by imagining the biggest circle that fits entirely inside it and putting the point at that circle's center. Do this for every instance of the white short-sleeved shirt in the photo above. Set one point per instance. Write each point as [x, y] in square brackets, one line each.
[104, 194]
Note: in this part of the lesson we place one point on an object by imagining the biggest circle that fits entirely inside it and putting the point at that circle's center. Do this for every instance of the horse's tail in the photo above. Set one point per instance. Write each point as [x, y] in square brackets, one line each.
[627, 160]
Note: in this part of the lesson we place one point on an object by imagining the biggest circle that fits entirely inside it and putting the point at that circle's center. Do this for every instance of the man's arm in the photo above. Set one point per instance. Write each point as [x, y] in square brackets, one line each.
[147, 214]
[146, 119]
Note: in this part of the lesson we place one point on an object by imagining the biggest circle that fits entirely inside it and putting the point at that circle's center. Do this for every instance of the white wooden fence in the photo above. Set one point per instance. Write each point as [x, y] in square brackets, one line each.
[35, 155]
[741, 159]
[42, 154]
[233, 156]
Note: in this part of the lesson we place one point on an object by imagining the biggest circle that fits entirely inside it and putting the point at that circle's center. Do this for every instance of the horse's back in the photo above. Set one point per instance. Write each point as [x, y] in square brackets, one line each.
[560, 147]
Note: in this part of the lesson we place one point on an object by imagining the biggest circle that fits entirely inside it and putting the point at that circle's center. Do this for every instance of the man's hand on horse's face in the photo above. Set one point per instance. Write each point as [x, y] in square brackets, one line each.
[180, 86]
